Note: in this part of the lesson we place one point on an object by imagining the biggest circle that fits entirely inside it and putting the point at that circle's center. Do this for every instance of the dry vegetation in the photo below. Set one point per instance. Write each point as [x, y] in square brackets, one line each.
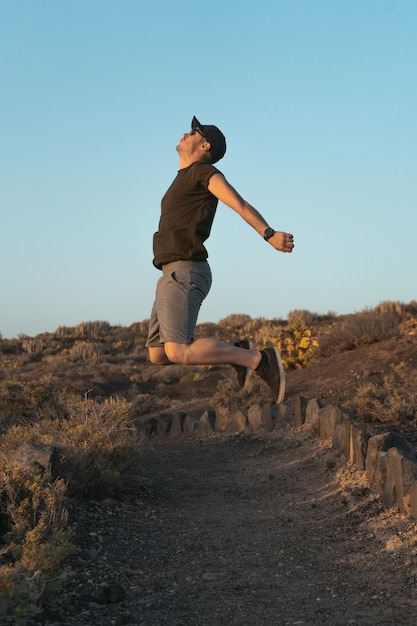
[80, 390]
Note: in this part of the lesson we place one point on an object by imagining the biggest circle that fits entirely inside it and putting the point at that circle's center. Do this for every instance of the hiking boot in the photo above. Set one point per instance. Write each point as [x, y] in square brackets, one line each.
[271, 371]
[243, 373]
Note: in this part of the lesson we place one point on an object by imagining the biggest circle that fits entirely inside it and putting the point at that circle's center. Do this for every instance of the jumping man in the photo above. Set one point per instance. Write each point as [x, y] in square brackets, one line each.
[188, 210]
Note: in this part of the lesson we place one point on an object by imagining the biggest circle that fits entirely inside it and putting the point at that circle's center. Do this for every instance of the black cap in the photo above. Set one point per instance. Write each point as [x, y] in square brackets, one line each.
[215, 138]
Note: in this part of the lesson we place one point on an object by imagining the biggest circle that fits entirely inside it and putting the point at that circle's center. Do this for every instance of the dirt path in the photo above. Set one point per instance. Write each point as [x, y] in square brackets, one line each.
[244, 530]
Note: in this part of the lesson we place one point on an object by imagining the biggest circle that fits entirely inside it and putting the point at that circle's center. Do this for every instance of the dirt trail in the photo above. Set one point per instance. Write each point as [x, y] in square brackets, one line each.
[249, 530]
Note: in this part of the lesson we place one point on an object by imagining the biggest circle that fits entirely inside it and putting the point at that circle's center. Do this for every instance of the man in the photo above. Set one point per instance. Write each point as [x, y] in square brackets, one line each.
[188, 210]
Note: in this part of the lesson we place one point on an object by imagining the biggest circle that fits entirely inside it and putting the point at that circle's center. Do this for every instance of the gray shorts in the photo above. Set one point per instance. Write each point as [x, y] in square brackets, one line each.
[179, 294]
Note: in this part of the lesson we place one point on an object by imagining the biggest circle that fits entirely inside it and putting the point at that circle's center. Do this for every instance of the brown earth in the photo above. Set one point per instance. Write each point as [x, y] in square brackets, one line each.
[252, 529]
[336, 379]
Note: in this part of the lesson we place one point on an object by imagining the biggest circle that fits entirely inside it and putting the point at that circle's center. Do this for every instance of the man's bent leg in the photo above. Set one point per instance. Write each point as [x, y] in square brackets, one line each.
[211, 351]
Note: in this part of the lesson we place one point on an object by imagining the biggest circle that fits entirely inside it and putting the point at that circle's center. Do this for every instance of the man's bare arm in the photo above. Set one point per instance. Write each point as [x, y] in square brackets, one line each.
[223, 190]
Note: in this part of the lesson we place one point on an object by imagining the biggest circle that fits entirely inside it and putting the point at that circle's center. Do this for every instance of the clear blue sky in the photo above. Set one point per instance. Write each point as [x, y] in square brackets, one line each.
[317, 99]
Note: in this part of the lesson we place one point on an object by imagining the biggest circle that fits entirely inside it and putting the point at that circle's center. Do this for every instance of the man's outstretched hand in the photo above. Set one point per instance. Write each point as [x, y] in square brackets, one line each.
[284, 242]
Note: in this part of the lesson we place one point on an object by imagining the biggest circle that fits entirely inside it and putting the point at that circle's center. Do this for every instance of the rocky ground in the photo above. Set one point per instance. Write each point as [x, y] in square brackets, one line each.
[252, 529]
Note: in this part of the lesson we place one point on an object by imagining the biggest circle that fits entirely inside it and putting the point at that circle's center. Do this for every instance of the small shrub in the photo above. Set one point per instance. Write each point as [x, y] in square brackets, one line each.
[302, 316]
[235, 321]
[26, 401]
[64, 331]
[92, 329]
[145, 403]
[389, 306]
[37, 543]
[411, 307]
[229, 397]
[409, 327]
[20, 594]
[140, 328]
[307, 318]
[102, 455]
[84, 350]
[207, 329]
[32, 346]
[265, 333]
[395, 401]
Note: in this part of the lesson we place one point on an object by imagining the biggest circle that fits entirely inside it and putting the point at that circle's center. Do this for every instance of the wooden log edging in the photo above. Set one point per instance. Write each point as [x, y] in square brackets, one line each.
[389, 460]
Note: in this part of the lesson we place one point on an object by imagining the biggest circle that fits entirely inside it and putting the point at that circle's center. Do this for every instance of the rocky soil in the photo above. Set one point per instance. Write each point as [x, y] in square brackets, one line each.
[253, 529]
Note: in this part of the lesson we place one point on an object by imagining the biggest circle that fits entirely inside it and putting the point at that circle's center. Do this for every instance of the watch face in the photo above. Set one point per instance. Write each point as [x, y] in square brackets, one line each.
[268, 233]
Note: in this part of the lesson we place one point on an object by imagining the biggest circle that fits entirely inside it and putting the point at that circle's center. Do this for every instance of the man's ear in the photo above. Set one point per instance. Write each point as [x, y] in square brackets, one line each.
[206, 146]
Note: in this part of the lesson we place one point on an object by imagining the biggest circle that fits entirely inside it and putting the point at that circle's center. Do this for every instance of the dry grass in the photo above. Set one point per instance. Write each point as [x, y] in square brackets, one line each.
[393, 402]
[100, 457]
[36, 544]
[352, 331]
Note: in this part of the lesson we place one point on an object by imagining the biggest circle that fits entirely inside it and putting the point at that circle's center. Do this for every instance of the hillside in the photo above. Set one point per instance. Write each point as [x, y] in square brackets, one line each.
[98, 361]
[81, 387]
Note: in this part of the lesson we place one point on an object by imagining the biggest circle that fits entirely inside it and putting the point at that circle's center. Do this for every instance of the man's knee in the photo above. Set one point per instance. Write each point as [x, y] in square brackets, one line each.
[157, 356]
[176, 352]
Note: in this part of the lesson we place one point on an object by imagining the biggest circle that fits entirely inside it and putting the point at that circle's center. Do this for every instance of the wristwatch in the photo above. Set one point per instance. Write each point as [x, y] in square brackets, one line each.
[268, 233]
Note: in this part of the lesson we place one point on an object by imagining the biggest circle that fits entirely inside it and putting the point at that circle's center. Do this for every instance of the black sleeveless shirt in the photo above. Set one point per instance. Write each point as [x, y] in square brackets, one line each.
[188, 210]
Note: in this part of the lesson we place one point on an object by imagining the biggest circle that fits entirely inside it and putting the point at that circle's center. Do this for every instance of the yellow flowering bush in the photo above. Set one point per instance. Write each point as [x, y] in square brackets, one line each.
[296, 344]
